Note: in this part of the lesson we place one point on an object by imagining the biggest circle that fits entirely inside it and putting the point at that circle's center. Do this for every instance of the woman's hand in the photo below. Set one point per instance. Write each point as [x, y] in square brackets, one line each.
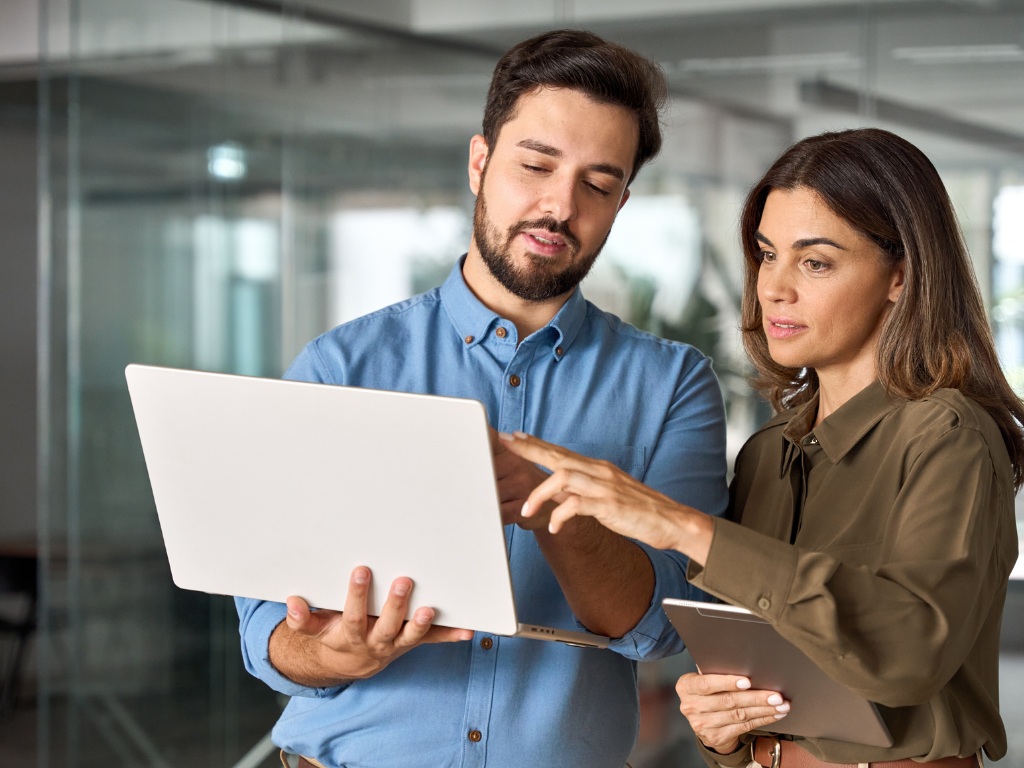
[599, 489]
[721, 708]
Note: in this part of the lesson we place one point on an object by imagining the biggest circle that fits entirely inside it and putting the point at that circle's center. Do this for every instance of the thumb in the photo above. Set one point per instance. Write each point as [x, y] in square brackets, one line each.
[300, 619]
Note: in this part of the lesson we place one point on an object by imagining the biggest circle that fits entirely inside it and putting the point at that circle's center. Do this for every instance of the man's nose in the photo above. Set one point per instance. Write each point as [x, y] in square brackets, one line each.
[559, 199]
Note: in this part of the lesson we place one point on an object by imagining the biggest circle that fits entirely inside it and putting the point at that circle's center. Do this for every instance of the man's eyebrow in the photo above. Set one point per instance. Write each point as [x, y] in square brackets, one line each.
[805, 243]
[547, 149]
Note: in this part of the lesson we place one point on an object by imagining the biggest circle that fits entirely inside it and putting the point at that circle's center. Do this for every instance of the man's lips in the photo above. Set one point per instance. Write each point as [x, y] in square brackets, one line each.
[542, 242]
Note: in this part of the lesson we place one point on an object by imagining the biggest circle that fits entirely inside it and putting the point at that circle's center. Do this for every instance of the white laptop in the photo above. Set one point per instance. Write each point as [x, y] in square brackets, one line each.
[267, 488]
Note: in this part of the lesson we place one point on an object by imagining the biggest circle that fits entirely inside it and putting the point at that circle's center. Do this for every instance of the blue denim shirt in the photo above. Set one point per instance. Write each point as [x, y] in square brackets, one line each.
[587, 381]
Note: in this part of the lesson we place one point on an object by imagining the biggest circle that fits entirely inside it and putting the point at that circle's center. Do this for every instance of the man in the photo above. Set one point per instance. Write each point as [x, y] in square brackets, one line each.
[570, 119]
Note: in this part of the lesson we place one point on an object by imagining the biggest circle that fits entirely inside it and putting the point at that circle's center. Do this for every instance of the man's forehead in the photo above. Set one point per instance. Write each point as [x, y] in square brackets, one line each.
[545, 120]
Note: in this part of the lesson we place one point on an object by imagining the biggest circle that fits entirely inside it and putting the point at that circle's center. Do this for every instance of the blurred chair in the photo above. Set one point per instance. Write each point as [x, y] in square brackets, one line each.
[18, 601]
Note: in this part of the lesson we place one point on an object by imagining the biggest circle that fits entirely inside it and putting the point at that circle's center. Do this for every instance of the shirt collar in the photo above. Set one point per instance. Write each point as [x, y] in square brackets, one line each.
[843, 429]
[473, 321]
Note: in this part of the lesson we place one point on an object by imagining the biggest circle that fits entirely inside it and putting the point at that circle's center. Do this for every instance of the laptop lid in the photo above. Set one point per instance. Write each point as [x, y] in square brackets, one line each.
[266, 488]
[724, 639]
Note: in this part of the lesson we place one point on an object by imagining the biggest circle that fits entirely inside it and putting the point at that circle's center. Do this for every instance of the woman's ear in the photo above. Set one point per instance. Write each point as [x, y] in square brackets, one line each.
[897, 282]
[478, 153]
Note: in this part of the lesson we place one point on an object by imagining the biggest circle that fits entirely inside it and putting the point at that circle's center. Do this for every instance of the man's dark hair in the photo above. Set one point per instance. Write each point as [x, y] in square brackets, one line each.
[581, 61]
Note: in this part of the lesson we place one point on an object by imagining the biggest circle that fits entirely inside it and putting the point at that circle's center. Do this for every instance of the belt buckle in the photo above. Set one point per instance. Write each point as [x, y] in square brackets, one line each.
[777, 754]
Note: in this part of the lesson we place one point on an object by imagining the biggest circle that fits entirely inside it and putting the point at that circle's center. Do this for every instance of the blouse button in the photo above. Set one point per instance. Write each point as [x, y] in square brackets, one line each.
[764, 603]
[475, 736]
[514, 380]
[468, 339]
[500, 332]
[559, 351]
[486, 643]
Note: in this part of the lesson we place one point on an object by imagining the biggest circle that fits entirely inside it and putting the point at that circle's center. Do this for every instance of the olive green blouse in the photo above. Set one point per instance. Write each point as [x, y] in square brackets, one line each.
[901, 519]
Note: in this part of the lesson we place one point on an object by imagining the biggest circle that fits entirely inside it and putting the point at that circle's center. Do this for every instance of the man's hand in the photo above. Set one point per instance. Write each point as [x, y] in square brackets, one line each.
[326, 648]
[516, 479]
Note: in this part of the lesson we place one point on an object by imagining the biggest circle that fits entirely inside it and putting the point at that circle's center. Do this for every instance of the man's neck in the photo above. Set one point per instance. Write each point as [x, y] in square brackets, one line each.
[527, 316]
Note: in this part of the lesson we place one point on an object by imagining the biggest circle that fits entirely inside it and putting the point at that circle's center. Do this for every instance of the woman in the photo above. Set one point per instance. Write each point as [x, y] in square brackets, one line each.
[876, 510]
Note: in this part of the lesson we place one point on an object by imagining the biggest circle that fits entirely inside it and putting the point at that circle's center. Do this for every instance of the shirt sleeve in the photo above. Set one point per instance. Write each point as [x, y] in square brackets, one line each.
[256, 622]
[688, 464]
[896, 633]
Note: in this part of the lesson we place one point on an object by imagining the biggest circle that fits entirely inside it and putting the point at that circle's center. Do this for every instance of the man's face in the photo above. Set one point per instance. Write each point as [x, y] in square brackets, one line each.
[549, 190]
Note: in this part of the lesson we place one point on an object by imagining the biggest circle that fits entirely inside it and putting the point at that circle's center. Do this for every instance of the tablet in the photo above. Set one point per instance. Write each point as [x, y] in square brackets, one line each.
[724, 639]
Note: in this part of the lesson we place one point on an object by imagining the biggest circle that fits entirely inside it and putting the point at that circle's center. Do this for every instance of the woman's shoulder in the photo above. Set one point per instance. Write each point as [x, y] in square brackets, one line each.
[944, 410]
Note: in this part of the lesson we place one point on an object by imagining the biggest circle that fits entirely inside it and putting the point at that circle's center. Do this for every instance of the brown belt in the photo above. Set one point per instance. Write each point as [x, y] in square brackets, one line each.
[304, 762]
[776, 753]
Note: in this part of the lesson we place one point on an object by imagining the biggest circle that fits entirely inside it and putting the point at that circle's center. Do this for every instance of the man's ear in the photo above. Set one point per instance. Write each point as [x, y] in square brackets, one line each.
[478, 153]
[622, 202]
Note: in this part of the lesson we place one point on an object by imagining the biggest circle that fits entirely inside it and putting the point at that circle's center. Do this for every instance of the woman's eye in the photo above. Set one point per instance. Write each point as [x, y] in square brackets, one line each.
[816, 266]
[764, 256]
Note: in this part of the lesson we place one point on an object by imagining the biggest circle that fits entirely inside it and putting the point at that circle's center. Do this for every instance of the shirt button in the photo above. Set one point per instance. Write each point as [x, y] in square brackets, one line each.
[514, 380]
[468, 339]
[475, 736]
[486, 643]
[764, 603]
[559, 351]
[500, 332]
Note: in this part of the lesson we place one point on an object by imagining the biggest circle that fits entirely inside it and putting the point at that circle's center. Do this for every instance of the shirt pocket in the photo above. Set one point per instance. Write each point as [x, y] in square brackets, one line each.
[631, 459]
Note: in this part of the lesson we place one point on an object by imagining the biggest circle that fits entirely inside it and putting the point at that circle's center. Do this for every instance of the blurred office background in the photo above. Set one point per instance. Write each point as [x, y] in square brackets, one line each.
[209, 184]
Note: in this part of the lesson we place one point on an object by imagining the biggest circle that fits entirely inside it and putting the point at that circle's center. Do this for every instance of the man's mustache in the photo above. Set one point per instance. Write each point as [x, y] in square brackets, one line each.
[551, 225]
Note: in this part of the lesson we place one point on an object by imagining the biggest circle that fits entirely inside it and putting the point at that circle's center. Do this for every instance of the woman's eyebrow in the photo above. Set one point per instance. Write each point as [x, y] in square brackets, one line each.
[805, 243]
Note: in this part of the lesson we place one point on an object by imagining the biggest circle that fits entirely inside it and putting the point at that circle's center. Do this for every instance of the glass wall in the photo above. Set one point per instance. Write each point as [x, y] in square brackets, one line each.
[221, 182]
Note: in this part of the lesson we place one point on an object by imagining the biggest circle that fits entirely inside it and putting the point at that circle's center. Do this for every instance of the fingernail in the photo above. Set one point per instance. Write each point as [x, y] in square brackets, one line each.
[506, 437]
[743, 683]
[782, 708]
[519, 435]
[401, 589]
[360, 576]
[774, 699]
[421, 619]
[526, 509]
[779, 717]
[294, 613]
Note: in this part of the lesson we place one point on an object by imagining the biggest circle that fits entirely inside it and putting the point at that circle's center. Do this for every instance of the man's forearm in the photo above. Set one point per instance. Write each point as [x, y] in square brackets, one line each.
[607, 580]
[296, 657]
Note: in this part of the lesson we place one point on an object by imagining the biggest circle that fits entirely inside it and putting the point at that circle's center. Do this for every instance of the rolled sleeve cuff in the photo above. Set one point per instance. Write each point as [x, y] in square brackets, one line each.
[748, 569]
[259, 625]
[654, 637]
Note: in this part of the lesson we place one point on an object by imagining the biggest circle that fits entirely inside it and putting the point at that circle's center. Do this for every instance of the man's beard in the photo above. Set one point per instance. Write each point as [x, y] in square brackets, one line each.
[539, 282]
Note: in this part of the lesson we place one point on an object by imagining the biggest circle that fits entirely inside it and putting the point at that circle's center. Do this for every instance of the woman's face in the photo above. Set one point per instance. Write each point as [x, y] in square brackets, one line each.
[823, 287]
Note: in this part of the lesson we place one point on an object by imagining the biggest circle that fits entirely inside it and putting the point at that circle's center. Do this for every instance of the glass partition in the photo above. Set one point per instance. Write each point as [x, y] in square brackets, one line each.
[221, 182]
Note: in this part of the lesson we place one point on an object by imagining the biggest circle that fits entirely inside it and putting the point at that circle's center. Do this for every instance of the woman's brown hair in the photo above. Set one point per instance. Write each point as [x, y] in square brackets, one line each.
[937, 334]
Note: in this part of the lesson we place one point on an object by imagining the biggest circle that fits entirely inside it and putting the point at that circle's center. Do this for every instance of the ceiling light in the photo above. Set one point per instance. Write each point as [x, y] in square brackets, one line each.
[960, 54]
[226, 162]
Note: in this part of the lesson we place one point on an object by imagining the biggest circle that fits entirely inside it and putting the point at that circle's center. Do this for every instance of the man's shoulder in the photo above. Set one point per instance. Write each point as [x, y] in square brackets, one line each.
[603, 323]
[411, 311]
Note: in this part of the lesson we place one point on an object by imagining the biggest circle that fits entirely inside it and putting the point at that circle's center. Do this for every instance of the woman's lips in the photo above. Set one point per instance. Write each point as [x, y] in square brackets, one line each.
[783, 328]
